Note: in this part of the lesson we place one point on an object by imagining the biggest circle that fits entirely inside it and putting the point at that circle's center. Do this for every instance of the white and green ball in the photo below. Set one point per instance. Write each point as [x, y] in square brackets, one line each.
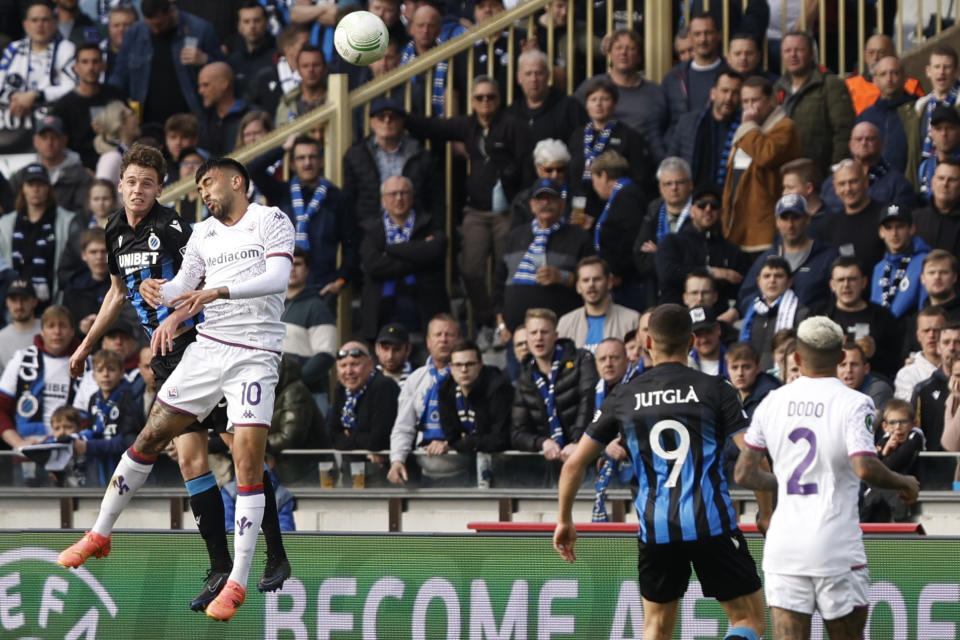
[361, 38]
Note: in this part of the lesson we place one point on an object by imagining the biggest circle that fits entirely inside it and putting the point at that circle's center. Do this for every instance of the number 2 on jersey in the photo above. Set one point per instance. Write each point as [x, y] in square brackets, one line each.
[678, 455]
[794, 486]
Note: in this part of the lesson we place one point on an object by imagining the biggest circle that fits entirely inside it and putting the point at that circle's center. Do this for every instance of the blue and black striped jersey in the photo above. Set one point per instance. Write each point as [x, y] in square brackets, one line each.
[153, 249]
[674, 421]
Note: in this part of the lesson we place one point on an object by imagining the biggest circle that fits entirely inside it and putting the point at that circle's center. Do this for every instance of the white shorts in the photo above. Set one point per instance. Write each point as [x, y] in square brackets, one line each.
[834, 596]
[211, 370]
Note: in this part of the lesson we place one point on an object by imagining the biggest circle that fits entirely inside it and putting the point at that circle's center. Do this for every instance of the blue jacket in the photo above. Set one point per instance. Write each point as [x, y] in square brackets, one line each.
[910, 294]
[811, 282]
[892, 187]
[286, 503]
[132, 71]
[883, 114]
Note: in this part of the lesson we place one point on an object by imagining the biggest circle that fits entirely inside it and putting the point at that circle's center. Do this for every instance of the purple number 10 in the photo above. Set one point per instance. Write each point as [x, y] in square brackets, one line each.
[250, 393]
[794, 487]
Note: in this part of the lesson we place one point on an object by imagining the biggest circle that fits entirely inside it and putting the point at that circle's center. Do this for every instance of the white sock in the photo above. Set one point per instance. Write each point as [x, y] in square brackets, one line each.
[246, 528]
[129, 476]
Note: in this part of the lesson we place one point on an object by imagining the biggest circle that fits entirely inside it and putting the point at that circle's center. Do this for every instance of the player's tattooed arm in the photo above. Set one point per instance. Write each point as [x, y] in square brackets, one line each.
[751, 473]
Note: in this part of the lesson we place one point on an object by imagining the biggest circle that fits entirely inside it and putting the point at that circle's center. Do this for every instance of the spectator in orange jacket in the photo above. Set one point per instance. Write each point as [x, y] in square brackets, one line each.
[863, 92]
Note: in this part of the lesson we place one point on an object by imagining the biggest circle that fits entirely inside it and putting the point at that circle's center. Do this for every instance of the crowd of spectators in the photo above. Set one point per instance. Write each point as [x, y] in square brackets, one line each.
[754, 199]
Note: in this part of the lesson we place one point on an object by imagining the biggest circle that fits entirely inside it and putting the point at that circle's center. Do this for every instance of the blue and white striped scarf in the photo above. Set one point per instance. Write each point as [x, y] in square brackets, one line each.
[593, 145]
[725, 152]
[302, 217]
[430, 417]
[439, 76]
[397, 234]
[619, 184]
[547, 389]
[348, 414]
[786, 307]
[931, 106]
[663, 221]
[465, 412]
[695, 356]
[605, 475]
[535, 255]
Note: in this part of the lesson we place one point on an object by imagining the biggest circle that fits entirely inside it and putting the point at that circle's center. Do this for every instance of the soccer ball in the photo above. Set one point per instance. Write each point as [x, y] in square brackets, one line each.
[361, 38]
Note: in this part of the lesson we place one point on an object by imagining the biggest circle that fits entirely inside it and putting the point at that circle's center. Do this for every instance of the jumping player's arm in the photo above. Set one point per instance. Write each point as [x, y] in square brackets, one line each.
[752, 463]
[858, 434]
[601, 431]
[109, 312]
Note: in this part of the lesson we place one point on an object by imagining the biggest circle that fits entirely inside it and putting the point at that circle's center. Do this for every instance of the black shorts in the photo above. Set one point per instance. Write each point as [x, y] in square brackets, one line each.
[163, 366]
[724, 566]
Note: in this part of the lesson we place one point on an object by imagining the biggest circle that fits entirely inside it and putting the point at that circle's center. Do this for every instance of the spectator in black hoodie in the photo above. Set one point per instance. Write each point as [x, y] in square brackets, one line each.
[85, 292]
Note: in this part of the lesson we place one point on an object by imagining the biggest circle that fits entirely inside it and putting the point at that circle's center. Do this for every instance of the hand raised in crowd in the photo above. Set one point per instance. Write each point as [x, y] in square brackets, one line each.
[193, 56]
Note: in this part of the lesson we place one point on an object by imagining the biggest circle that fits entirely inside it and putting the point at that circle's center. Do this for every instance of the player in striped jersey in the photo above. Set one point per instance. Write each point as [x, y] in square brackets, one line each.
[674, 421]
[819, 434]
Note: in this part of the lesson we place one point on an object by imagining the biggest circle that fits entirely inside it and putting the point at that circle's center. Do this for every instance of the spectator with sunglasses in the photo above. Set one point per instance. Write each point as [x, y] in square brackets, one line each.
[699, 243]
[364, 403]
[551, 161]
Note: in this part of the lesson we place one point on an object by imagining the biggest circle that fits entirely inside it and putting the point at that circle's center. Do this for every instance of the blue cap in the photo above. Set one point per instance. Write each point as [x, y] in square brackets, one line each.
[791, 203]
[386, 104]
[35, 172]
[546, 185]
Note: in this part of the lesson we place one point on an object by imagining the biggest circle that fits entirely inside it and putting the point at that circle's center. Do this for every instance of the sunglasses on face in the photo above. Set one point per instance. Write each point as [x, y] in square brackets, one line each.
[485, 97]
[352, 353]
[703, 204]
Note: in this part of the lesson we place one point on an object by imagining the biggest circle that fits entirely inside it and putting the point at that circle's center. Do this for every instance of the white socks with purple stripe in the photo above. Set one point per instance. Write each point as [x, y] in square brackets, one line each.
[130, 474]
[246, 528]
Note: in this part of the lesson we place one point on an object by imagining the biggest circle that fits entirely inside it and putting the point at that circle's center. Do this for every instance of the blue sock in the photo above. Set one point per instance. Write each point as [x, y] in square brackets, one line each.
[741, 633]
[956, 485]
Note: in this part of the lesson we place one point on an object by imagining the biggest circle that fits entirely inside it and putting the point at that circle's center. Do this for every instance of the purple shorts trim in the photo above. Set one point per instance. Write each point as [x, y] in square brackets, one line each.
[754, 447]
[282, 254]
[864, 453]
[252, 424]
[177, 409]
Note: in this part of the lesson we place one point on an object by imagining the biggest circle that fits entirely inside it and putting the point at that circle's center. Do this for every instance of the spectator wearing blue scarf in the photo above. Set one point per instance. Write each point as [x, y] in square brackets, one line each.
[365, 402]
[555, 391]
[896, 279]
[945, 137]
[665, 214]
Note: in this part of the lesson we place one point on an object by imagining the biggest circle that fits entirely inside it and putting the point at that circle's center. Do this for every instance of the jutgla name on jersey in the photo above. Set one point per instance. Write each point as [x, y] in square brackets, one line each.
[665, 396]
[137, 259]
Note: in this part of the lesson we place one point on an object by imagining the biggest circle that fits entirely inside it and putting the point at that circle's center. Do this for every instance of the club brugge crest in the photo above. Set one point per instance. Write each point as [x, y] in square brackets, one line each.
[27, 405]
[153, 241]
[114, 412]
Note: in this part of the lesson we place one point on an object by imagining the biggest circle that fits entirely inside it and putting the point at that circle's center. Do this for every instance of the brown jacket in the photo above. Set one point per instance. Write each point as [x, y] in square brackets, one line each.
[748, 217]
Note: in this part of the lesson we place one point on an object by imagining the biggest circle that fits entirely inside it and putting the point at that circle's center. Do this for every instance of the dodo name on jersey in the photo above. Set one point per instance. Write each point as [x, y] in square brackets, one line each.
[665, 396]
[814, 409]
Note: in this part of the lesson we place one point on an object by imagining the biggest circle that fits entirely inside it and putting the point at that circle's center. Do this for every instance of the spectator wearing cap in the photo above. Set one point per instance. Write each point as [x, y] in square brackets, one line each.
[475, 402]
[539, 262]
[385, 153]
[76, 109]
[24, 324]
[23, 86]
[66, 172]
[36, 381]
[938, 223]
[809, 259]
[498, 145]
[311, 336]
[402, 256]
[364, 404]
[765, 140]
[700, 243]
[700, 290]
[617, 226]
[945, 136]
[886, 184]
[860, 212]
[708, 353]
[393, 350]
[896, 279]
[862, 319]
[775, 307]
[548, 111]
[34, 236]
[599, 317]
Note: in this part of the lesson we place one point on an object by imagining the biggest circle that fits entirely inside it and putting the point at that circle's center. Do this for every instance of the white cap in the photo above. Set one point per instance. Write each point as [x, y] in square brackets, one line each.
[820, 333]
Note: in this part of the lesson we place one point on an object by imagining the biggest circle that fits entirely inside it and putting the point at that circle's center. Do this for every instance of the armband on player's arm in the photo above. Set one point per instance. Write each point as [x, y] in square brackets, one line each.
[273, 280]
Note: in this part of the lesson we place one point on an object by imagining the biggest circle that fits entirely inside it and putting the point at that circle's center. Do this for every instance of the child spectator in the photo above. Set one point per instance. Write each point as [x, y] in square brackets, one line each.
[116, 417]
[778, 345]
[899, 448]
[789, 369]
[752, 383]
[65, 423]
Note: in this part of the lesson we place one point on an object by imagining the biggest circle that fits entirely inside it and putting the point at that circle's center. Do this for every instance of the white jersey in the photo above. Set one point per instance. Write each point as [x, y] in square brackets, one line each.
[811, 428]
[221, 255]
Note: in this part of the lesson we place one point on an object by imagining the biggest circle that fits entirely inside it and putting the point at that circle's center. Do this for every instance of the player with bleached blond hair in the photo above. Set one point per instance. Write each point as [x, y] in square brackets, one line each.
[820, 436]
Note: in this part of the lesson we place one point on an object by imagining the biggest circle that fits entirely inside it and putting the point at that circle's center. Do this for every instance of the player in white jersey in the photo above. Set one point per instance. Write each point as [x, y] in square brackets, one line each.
[819, 434]
[241, 256]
